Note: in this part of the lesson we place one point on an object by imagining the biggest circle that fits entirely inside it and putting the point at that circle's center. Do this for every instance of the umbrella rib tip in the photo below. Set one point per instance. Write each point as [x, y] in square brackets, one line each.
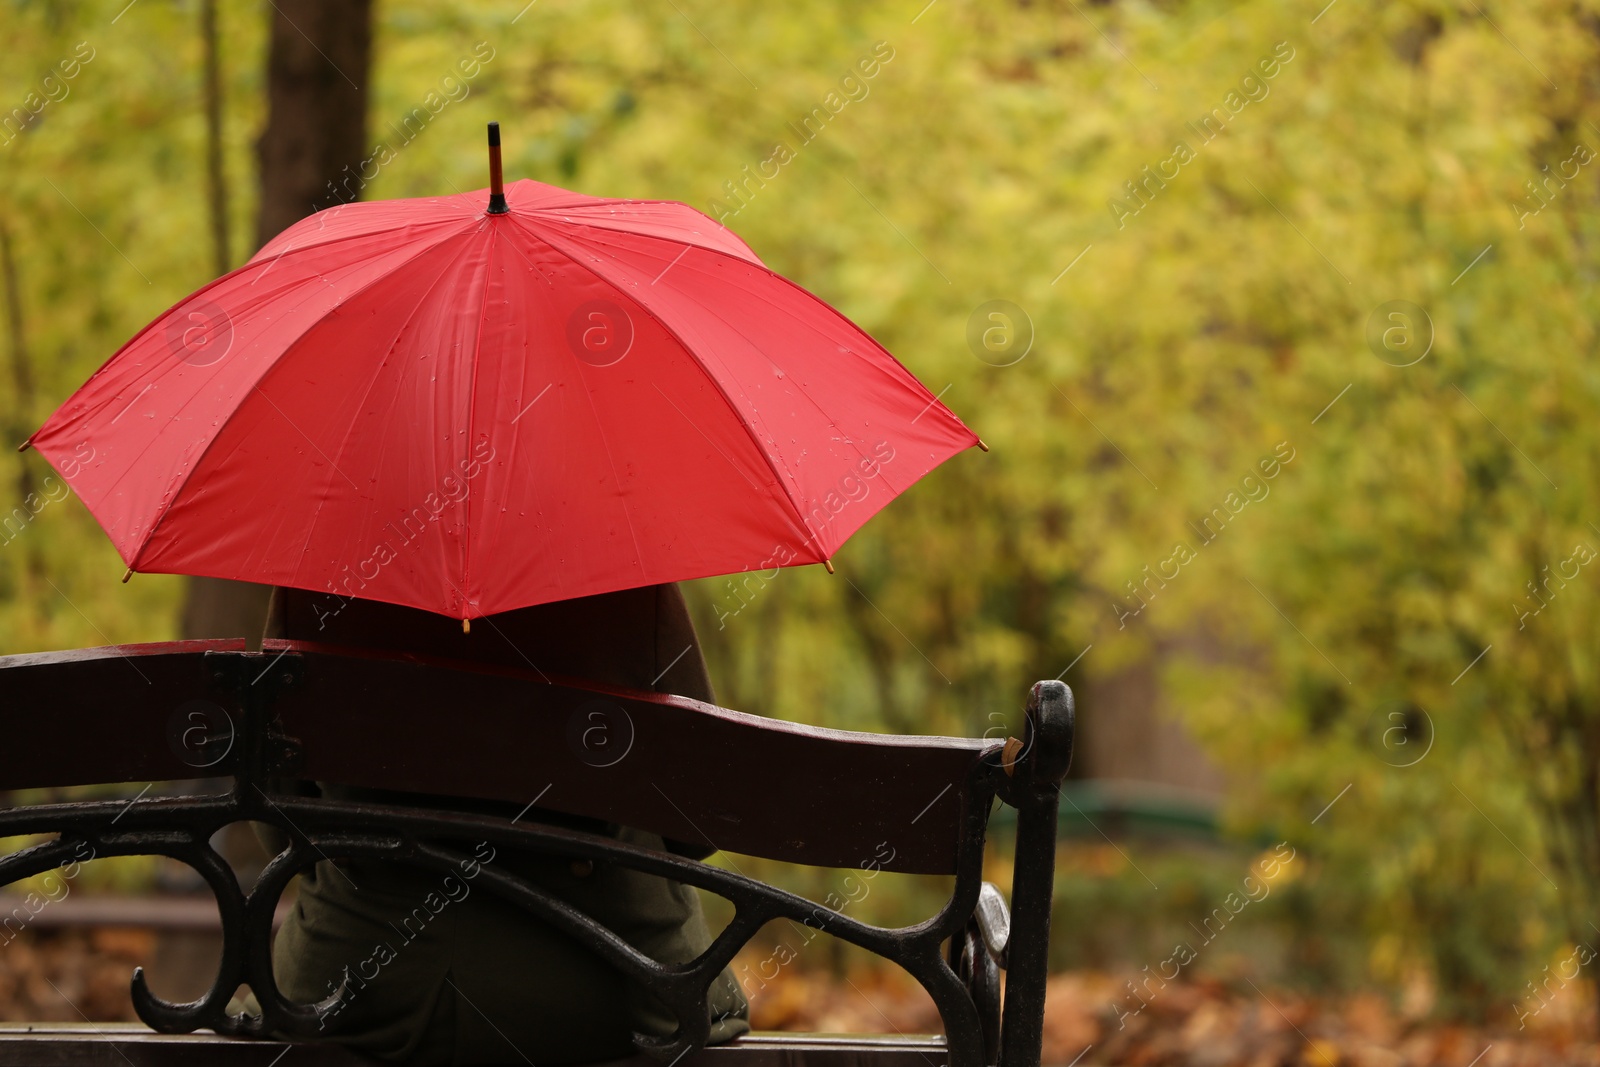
[828, 563]
[126, 575]
[24, 446]
[982, 445]
[466, 626]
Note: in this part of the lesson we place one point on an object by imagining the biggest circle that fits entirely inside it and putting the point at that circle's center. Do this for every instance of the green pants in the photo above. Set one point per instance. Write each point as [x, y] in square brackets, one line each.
[439, 970]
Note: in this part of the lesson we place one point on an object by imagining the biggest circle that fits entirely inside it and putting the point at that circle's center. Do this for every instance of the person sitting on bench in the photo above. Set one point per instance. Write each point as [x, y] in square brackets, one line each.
[480, 980]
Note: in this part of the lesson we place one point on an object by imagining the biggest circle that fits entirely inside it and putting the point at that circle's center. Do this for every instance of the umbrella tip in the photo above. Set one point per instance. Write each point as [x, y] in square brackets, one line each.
[466, 626]
[126, 575]
[982, 445]
[497, 192]
[24, 446]
[828, 563]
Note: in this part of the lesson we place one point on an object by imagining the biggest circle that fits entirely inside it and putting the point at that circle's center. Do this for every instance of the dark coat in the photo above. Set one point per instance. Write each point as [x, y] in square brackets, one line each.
[456, 974]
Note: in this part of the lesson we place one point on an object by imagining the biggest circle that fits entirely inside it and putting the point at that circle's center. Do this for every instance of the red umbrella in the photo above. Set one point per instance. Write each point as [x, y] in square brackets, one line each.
[469, 411]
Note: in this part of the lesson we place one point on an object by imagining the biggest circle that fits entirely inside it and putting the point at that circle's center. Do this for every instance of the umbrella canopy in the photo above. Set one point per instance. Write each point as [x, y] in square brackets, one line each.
[424, 403]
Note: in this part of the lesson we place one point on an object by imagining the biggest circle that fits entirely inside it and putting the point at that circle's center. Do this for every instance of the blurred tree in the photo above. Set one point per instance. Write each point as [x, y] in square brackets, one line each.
[216, 176]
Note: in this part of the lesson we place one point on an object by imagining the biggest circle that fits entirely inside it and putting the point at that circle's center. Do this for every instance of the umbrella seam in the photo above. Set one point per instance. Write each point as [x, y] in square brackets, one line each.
[472, 411]
[611, 460]
[173, 307]
[806, 395]
[905, 371]
[342, 238]
[180, 486]
[583, 201]
[668, 203]
[900, 370]
[373, 381]
[716, 387]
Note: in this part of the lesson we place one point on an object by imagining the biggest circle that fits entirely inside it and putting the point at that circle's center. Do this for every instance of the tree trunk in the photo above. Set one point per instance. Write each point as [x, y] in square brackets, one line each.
[317, 68]
[216, 183]
[317, 107]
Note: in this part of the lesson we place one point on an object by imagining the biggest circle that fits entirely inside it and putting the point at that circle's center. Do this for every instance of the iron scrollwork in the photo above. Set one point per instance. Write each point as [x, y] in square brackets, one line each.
[964, 984]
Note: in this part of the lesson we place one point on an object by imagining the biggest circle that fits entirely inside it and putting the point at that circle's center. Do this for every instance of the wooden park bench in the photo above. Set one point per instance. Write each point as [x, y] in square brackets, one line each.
[689, 771]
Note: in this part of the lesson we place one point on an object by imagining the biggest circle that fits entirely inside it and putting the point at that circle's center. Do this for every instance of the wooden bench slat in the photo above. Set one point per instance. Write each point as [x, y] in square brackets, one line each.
[772, 1049]
[99, 715]
[690, 771]
[133, 1045]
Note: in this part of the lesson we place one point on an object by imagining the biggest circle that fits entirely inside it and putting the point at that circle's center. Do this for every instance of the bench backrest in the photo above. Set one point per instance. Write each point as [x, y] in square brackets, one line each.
[690, 771]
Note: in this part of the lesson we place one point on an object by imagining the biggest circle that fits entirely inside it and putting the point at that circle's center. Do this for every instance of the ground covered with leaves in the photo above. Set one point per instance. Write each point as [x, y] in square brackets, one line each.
[1091, 1022]
[1092, 1019]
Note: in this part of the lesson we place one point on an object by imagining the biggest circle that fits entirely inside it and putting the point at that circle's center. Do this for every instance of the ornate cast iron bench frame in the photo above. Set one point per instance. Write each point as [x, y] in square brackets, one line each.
[689, 771]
